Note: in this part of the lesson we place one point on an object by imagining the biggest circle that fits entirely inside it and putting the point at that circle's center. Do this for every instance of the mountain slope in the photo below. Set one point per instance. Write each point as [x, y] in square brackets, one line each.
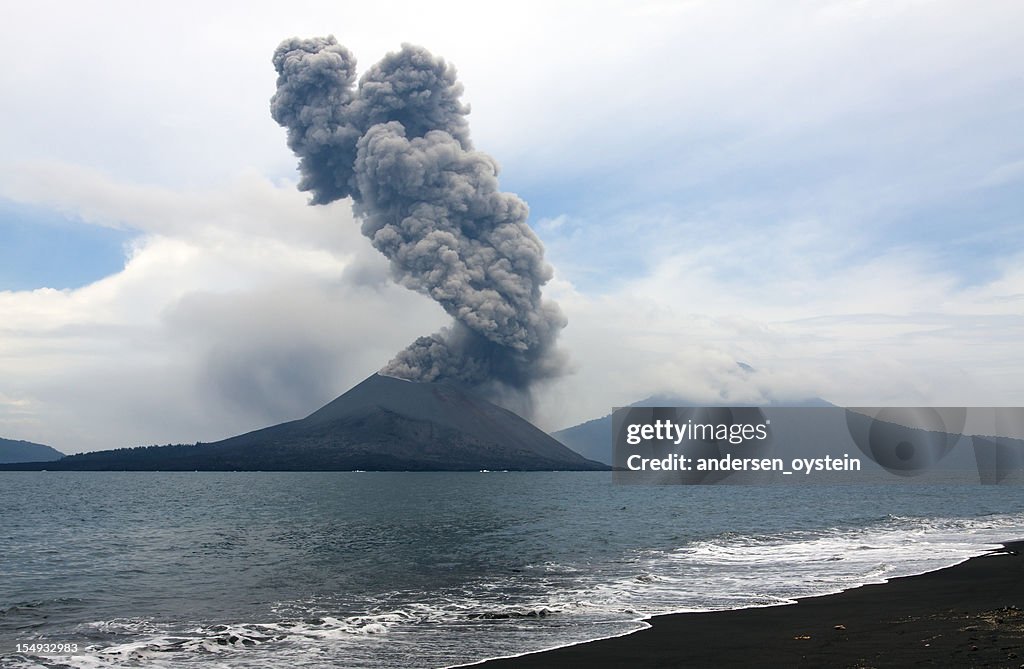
[25, 451]
[382, 424]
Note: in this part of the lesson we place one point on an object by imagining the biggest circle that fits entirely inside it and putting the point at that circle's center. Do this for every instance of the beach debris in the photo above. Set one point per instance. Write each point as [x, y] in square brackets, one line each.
[841, 628]
[803, 637]
[542, 612]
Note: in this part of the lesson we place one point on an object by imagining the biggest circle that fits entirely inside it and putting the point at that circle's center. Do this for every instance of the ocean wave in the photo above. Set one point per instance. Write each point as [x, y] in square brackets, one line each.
[548, 604]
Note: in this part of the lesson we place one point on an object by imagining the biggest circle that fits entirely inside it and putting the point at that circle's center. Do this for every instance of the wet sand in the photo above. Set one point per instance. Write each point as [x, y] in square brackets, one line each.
[969, 615]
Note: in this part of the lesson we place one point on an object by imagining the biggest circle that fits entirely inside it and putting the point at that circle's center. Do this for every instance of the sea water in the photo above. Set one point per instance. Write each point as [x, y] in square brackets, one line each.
[434, 569]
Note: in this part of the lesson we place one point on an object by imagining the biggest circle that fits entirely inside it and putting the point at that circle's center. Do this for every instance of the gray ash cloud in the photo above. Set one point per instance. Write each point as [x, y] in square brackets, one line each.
[398, 144]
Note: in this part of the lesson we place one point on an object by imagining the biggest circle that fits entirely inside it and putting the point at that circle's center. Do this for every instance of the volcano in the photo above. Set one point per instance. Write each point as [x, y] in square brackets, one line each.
[382, 424]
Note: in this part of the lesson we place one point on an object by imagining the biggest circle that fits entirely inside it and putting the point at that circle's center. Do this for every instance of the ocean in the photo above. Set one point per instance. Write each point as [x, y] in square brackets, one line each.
[353, 569]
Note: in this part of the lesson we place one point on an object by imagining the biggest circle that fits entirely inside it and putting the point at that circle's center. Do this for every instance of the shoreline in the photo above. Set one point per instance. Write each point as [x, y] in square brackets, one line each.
[969, 614]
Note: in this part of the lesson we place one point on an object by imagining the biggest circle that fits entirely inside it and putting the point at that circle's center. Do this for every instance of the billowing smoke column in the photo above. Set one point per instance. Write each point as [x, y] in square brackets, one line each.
[398, 145]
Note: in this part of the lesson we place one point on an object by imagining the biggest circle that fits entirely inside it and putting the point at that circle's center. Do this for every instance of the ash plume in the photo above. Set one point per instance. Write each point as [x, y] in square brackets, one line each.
[398, 144]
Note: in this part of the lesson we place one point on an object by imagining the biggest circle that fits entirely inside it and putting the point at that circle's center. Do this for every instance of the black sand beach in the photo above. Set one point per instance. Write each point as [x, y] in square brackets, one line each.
[969, 615]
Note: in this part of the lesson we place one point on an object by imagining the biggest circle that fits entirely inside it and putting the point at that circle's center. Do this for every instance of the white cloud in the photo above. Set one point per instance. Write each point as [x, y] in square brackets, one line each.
[243, 308]
[138, 116]
[235, 310]
[1004, 174]
[147, 91]
[896, 330]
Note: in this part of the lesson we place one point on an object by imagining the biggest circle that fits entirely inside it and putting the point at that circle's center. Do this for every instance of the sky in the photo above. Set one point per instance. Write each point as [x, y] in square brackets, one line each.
[829, 192]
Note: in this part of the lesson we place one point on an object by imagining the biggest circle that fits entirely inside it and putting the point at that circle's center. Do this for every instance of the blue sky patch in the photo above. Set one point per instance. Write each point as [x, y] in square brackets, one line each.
[40, 248]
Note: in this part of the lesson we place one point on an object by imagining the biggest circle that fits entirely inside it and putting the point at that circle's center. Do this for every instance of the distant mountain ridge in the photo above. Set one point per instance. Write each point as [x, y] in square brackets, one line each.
[381, 424]
[16, 450]
[593, 439]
